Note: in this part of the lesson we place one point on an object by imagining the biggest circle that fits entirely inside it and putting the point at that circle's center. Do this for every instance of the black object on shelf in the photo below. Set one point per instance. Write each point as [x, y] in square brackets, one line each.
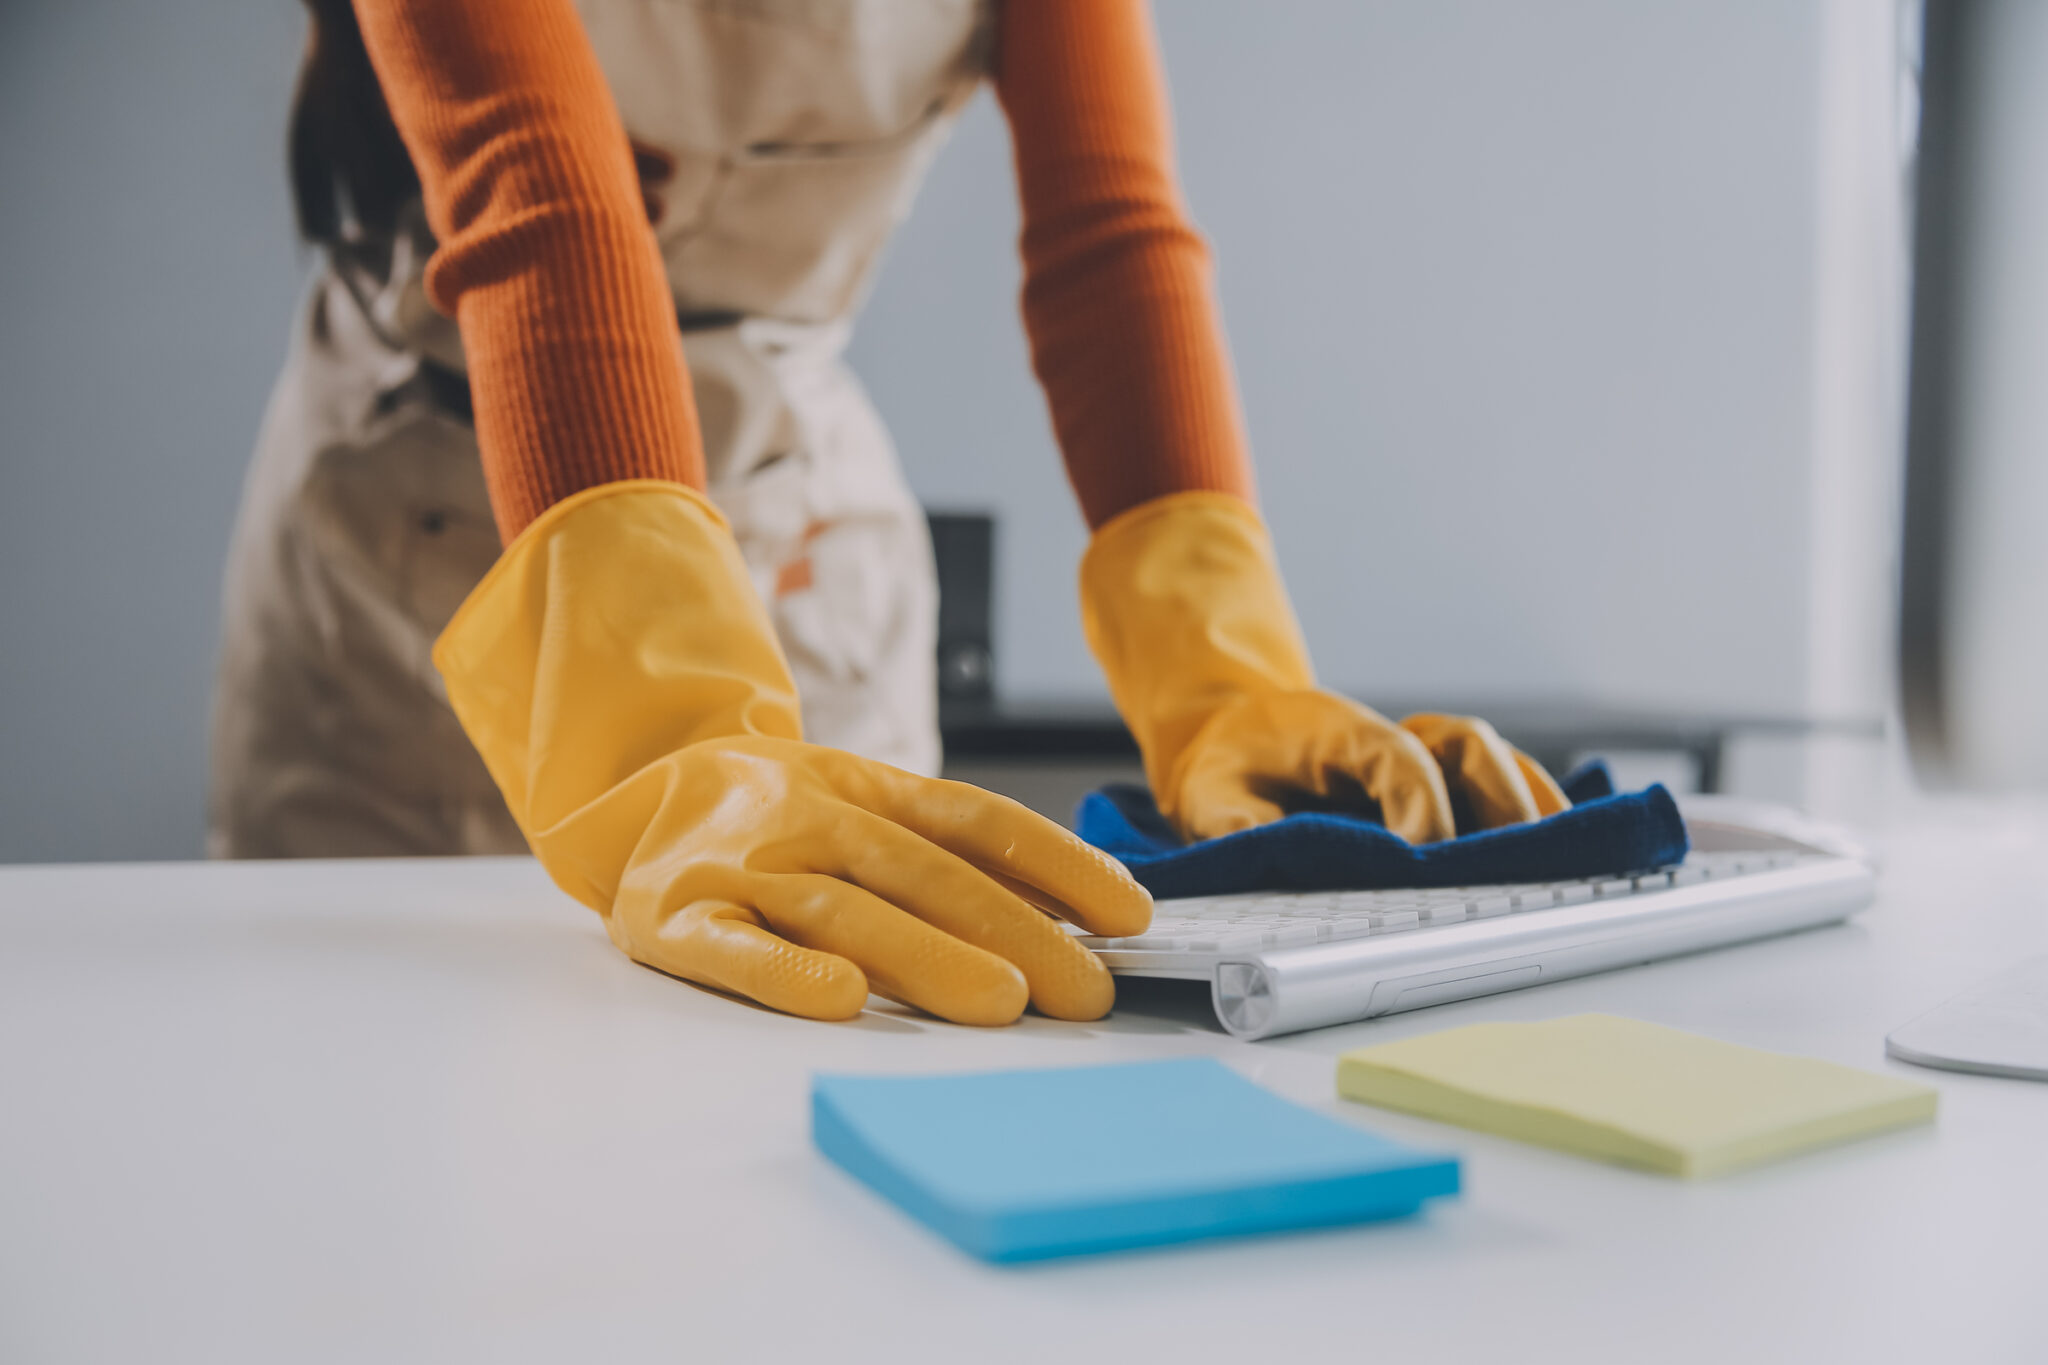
[963, 544]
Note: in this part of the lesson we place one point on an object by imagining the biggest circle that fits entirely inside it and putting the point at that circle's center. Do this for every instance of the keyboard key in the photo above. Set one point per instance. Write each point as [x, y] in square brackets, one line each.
[1574, 893]
[1223, 943]
[1445, 914]
[1393, 921]
[1655, 881]
[1536, 898]
[1617, 886]
[1490, 907]
[1294, 936]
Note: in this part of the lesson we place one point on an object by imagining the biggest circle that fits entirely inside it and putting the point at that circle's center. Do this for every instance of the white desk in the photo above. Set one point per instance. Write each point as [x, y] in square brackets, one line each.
[423, 1111]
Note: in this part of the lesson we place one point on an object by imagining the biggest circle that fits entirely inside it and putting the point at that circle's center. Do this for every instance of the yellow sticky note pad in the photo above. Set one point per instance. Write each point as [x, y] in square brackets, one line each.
[1625, 1091]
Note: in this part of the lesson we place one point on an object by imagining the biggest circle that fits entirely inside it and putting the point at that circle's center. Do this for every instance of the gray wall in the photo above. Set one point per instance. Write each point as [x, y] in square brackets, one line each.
[150, 272]
[1520, 296]
[1520, 301]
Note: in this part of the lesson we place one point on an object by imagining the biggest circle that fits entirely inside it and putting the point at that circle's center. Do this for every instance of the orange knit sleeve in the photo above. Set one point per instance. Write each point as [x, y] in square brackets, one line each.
[546, 259]
[1125, 333]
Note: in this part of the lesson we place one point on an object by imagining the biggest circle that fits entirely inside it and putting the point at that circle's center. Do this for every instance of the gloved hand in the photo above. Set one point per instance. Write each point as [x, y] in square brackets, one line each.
[620, 678]
[1183, 606]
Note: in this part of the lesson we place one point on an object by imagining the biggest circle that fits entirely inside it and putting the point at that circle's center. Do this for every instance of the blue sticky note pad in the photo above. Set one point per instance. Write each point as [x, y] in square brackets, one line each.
[1020, 1165]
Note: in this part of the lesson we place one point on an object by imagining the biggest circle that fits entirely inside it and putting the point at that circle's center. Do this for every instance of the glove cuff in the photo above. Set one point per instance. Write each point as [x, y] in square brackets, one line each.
[1183, 606]
[618, 627]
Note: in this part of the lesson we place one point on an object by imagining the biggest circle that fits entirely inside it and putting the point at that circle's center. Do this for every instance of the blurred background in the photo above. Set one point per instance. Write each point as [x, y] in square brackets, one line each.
[1570, 338]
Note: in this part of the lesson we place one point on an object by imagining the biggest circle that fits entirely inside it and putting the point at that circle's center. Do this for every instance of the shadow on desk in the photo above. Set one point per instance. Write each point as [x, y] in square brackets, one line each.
[1144, 1000]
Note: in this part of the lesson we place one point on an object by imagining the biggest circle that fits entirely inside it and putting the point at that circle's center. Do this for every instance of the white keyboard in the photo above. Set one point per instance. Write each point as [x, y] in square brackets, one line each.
[1209, 925]
[1280, 963]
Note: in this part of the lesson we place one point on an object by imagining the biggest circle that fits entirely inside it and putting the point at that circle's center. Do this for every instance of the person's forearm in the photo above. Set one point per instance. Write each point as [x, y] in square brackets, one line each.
[1118, 298]
[546, 259]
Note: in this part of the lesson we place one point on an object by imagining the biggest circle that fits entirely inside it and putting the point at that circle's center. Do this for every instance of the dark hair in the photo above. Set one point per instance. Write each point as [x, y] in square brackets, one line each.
[349, 169]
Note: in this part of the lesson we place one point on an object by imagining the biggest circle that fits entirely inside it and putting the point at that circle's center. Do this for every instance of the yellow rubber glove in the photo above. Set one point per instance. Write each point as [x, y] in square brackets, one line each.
[1183, 606]
[622, 682]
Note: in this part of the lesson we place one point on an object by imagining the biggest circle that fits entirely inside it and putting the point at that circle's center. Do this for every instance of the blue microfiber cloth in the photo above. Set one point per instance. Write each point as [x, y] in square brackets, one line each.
[1602, 835]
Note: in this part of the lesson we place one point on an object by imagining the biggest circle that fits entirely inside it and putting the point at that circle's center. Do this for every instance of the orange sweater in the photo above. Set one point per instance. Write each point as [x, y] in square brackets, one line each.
[549, 266]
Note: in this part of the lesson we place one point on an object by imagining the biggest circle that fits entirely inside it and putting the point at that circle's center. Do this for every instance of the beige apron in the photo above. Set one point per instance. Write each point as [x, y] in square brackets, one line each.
[799, 131]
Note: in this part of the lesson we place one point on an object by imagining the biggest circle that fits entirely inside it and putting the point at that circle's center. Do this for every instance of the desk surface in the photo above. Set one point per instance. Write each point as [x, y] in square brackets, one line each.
[423, 1111]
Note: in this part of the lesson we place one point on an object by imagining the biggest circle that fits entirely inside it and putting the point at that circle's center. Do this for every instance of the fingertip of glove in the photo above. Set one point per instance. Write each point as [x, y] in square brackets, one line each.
[1125, 914]
[802, 981]
[842, 997]
[832, 993]
[1088, 994]
[1000, 1000]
